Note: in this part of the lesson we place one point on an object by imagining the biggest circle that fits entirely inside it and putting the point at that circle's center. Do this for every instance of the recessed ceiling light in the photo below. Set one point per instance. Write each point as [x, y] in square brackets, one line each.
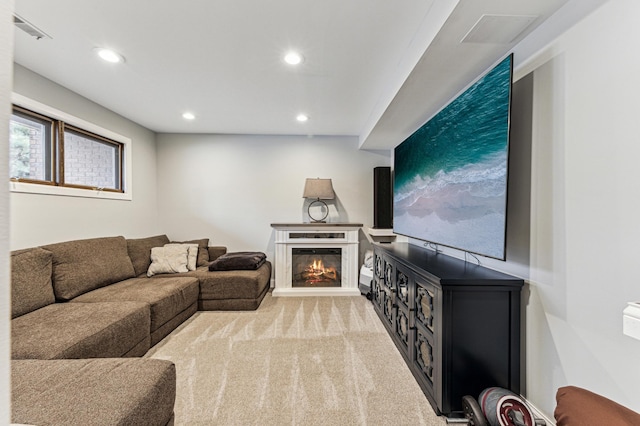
[293, 58]
[109, 55]
[188, 116]
[302, 117]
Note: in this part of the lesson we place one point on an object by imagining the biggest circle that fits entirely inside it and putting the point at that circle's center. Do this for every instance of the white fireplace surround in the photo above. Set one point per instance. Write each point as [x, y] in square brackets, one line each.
[316, 235]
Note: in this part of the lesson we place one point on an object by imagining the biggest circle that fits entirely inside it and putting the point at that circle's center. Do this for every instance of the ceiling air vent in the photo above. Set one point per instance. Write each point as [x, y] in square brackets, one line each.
[29, 28]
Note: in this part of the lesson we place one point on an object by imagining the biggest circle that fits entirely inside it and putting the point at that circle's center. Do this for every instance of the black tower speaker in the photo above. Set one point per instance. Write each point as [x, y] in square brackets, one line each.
[382, 198]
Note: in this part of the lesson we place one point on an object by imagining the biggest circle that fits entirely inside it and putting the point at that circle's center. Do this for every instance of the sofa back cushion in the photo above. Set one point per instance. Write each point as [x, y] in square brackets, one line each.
[83, 265]
[203, 249]
[140, 251]
[31, 287]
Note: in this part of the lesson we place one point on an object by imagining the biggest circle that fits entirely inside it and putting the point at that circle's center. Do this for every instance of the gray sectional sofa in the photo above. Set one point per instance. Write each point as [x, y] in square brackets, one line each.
[83, 310]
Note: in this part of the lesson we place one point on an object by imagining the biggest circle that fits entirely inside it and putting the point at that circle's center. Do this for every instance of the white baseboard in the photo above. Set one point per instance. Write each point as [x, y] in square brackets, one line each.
[539, 414]
[315, 291]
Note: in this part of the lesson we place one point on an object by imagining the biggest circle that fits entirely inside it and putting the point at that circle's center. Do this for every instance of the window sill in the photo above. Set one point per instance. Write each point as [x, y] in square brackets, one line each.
[32, 188]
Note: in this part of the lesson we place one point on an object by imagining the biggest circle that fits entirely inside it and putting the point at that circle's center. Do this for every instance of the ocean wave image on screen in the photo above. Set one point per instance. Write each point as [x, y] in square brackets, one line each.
[450, 176]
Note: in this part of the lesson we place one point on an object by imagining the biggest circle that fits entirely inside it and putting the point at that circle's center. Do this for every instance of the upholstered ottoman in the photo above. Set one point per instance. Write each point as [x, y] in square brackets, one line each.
[104, 391]
[237, 290]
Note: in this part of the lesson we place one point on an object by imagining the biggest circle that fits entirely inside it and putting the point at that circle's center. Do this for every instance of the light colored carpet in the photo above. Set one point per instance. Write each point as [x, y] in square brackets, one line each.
[293, 361]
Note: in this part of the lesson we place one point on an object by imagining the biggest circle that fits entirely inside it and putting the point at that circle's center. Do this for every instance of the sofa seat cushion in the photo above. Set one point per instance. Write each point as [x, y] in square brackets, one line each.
[31, 286]
[93, 391]
[229, 286]
[83, 265]
[167, 296]
[81, 330]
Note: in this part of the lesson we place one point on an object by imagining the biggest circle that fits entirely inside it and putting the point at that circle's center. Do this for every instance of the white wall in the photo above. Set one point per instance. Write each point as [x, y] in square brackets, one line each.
[230, 188]
[585, 198]
[39, 219]
[6, 71]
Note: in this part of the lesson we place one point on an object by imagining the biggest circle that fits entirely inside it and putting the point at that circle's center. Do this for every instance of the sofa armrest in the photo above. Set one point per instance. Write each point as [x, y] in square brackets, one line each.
[577, 406]
[215, 252]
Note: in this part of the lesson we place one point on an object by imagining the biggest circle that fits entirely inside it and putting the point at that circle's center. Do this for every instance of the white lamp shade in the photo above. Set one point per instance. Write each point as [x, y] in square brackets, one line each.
[320, 189]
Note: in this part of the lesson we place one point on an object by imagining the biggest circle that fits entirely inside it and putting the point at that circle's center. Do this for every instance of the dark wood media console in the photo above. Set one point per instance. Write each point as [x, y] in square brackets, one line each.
[456, 324]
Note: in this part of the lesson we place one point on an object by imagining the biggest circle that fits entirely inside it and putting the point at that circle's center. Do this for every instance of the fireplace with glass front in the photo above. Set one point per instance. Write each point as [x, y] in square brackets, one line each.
[316, 267]
[316, 259]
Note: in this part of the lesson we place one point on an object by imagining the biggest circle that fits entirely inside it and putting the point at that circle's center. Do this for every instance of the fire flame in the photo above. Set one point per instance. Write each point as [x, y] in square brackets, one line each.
[316, 272]
[317, 265]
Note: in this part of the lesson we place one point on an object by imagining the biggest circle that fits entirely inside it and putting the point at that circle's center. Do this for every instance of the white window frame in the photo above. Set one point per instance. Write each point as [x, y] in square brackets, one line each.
[127, 166]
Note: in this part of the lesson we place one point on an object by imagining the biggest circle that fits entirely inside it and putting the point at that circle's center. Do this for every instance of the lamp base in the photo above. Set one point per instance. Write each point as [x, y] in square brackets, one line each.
[316, 219]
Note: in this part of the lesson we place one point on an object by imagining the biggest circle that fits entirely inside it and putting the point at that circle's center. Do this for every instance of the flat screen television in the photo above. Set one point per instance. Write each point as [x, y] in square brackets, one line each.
[450, 175]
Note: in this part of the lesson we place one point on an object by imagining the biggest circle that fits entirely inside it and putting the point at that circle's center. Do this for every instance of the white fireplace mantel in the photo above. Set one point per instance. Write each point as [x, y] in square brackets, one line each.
[316, 235]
